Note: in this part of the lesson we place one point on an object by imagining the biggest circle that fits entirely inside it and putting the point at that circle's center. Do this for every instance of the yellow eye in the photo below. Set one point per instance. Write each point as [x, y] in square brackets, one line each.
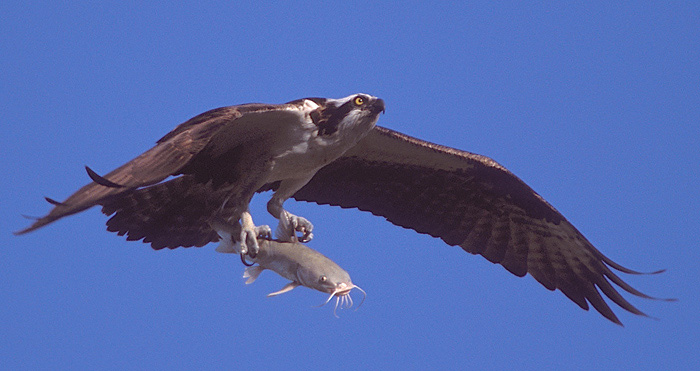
[323, 278]
[359, 100]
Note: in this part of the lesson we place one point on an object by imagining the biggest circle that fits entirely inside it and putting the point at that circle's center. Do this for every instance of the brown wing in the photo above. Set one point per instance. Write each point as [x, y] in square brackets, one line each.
[470, 201]
[204, 146]
[169, 214]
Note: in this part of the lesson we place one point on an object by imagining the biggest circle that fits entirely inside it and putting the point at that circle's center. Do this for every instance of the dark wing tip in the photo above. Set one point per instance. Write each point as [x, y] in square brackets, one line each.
[617, 321]
[655, 272]
[622, 269]
[619, 282]
[38, 223]
[101, 180]
[53, 202]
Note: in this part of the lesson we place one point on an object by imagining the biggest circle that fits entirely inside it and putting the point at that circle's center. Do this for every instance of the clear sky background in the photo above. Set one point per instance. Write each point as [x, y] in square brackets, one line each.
[596, 106]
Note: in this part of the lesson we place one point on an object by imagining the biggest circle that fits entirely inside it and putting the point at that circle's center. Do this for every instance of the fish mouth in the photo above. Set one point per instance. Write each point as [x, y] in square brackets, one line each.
[342, 289]
[343, 298]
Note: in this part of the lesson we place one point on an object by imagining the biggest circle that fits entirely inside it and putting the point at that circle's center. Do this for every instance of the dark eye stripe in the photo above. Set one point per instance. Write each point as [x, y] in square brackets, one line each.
[335, 116]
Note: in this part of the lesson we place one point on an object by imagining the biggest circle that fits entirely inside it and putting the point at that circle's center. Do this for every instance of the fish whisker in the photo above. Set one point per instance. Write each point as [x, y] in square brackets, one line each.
[337, 299]
[344, 300]
[327, 300]
[364, 296]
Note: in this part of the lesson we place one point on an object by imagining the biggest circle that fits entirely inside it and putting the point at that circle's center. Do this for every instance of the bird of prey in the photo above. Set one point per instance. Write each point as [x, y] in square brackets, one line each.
[195, 185]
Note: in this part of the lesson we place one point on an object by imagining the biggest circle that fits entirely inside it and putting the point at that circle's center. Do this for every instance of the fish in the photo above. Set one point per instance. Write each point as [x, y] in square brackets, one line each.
[303, 266]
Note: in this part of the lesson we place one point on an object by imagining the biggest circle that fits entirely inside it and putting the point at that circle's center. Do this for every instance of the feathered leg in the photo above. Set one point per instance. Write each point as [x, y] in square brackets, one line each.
[289, 223]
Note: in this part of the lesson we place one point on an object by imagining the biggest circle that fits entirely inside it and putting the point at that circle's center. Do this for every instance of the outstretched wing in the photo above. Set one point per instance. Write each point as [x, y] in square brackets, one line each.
[207, 146]
[470, 201]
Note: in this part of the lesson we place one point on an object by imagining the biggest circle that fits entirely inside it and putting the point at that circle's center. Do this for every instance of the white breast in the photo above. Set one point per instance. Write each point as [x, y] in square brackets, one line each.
[306, 152]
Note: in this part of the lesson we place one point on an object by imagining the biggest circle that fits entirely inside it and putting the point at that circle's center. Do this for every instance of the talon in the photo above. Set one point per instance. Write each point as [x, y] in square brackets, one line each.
[306, 237]
[303, 226]
[240, 238]
[290, 224]
[249, 242]
[245, 262]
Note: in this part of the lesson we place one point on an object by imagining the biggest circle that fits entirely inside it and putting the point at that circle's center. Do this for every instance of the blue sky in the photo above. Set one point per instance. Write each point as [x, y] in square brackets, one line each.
[595, 106]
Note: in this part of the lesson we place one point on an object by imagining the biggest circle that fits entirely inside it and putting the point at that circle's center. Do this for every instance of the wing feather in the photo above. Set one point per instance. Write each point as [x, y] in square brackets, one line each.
[203, 146]
[470, 201]
[170, 214]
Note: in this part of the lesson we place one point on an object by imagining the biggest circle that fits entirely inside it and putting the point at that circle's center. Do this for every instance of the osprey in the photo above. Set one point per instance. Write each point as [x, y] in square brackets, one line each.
[195, 185]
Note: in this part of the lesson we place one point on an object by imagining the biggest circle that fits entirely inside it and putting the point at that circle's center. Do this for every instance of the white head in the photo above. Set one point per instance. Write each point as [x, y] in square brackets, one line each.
[354, 115]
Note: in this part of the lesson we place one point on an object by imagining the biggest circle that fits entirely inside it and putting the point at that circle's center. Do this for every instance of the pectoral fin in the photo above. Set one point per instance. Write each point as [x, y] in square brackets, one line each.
[252, 273]
[288, 287]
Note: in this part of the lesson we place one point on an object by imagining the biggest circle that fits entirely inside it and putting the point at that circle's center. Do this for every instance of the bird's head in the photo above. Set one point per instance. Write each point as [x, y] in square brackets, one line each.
[355, 114]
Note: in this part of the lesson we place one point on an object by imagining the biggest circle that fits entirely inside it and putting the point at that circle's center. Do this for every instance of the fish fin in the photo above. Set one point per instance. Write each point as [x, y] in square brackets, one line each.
[226, 246]
[288, 287]
[252, 273]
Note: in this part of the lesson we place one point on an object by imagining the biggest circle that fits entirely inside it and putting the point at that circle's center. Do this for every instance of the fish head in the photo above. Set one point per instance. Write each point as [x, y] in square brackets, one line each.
[328, 278]
[333, 280]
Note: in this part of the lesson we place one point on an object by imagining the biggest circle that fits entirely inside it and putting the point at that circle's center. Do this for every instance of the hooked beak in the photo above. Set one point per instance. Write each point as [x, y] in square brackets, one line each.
[378, 106]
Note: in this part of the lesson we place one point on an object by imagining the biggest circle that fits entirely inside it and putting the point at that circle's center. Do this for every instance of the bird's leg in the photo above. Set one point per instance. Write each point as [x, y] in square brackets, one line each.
[240, 238]
[289, 223]
[249, 235]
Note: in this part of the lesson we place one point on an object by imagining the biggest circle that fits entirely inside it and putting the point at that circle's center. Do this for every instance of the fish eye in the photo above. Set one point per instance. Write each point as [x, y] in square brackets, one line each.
[323, 279]
[359, 100]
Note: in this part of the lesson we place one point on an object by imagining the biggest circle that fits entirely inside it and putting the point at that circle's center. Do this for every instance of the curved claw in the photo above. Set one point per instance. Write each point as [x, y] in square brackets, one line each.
[290, 224]
[306, 237]
[248, 242]
[249, 239]
[304, 226]
[245, 262]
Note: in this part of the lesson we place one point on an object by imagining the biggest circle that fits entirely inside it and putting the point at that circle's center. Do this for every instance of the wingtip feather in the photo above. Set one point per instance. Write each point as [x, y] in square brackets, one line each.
[101, 180]
[38, 223]
[52, 201]
[622, 269]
